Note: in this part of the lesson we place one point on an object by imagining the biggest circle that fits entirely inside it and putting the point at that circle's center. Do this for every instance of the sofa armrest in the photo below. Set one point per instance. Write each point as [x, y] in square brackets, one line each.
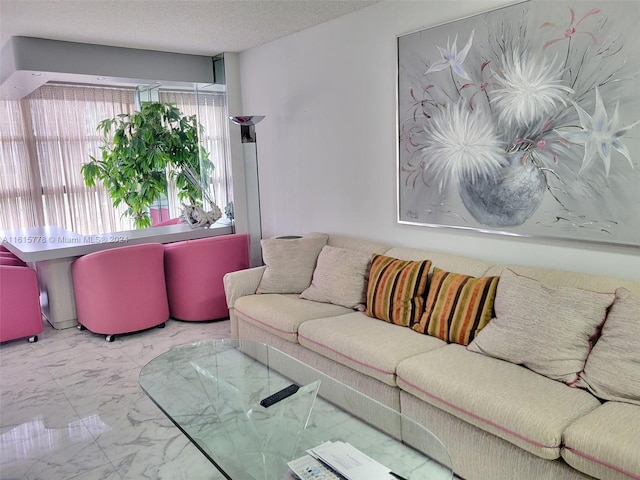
[241, 283]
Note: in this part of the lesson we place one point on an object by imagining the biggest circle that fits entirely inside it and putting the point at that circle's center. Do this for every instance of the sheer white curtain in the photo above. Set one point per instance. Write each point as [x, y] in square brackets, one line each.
[211, 111]
[47, 136]
[45, 139]
[64, 122]
[20, 186]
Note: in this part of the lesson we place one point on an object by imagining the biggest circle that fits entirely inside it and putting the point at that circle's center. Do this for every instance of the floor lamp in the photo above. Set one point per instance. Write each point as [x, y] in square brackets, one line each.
[252, 185]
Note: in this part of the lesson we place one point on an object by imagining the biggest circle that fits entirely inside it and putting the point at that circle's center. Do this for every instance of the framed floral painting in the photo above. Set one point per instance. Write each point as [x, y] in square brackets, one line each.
[524, 121]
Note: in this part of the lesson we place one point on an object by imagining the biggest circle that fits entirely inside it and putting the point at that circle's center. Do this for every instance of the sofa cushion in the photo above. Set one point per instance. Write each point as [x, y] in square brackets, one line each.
[553, 277]
[504, 399]
[340, 277]
[369, 347]
[612, 371]
[458, 306]
[283, 314]
[605, 443]
[446, 261]
[396, 288]
[290, 263]
[548, 330]
[357, 244]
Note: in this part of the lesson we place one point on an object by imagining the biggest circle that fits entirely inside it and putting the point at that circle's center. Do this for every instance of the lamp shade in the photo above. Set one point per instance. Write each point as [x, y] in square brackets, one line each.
[246, 120]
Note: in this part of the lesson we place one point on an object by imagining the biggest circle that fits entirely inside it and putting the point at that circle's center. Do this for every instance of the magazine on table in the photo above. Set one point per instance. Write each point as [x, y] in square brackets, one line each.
[339, 461]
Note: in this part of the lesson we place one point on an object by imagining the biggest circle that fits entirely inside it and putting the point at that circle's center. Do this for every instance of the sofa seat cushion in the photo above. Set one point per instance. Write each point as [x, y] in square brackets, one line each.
[365, 345]
[605, 443]
[282, 314]
[507, 400]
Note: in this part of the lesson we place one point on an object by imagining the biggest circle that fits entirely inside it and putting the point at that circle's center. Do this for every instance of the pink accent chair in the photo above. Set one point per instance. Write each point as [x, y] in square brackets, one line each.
[157, 214]
[171, 221]
[194, 271]
[20, 314]
[11, 259]
[121, 290]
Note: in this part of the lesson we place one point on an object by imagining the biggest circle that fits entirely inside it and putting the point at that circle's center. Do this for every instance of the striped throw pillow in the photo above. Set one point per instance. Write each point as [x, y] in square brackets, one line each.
[458, 306]
[396, 289]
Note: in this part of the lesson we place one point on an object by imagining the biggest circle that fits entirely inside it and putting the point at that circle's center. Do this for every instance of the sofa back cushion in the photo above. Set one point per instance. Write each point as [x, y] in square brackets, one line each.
[458, 306]
[562, 278]
[548, 330]
[357, 244]
[443, 260]
[290, 263]
[612, 371]
[396, 288]
[340, 278]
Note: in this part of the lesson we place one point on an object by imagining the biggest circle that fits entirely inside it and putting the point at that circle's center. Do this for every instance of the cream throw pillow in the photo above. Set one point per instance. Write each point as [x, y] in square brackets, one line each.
[290, 263]
[548, 330]
[612, 371]
[340, 278]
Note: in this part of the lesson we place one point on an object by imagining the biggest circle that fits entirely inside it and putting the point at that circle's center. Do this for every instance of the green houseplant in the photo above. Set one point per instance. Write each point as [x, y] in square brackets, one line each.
[146, 149]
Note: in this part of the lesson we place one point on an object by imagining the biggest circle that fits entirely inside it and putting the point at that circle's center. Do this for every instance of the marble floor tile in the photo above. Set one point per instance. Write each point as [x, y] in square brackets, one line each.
[105, 472]
[71, 408]
[139, 426]
[176, 459]
[39, 450]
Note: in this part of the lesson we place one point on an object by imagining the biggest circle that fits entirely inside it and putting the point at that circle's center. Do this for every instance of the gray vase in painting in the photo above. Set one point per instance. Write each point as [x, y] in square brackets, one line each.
[506, 200]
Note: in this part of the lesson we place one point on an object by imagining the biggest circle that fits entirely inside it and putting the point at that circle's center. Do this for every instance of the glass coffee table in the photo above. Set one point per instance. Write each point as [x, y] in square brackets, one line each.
[212, 391]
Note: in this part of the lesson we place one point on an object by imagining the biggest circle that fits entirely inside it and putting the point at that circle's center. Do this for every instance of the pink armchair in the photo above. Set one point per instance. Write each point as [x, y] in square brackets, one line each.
[194, 271]
[171, 221]
[8, 258]
[20, 314]
[121, 290]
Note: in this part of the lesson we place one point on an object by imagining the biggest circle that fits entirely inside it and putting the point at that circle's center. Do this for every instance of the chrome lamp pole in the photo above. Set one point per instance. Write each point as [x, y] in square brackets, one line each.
[252, 183]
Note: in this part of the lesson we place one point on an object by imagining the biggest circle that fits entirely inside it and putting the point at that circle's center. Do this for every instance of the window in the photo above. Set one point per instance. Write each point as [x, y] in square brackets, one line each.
[47, 136]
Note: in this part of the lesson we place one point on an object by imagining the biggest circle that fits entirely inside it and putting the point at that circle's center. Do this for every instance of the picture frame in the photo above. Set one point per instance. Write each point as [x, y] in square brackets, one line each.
[523, 121]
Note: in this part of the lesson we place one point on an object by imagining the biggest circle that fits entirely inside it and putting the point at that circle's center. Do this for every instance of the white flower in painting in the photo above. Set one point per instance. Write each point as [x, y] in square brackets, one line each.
[451, 58]
[529, 89]
[461, 143]
[599, 134]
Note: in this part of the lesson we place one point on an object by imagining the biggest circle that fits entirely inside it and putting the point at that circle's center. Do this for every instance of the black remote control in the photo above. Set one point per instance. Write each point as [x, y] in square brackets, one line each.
[279, 395]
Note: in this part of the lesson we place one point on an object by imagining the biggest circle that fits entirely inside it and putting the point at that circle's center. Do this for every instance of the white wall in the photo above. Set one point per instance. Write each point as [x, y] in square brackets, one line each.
[327, 147]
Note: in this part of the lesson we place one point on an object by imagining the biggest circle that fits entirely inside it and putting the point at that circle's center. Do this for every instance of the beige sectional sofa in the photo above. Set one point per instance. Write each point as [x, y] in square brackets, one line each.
[498, 418]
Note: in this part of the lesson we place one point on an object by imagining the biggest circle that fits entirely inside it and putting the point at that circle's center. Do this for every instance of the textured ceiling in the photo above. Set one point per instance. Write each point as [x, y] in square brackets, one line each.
[201, 27]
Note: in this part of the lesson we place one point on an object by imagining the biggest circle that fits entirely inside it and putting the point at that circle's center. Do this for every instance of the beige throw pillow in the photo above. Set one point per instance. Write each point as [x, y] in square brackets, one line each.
[612, 371]
[340, 278]
[548, 330]
[290, 263]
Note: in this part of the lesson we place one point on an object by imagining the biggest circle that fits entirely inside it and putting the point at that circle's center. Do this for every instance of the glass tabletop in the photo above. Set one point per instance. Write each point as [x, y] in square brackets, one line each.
[212, 391]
